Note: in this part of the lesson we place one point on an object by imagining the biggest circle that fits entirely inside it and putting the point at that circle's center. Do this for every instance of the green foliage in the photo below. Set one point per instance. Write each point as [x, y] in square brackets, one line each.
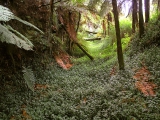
[125, 27]
[112, 34]
[125, 41]
[9, 37]
[150, 37]
[125, 30]
[5, 14]
[17, 39]
[106, 47]
[78, 1]
[29, 78]
[87, 91]
[152, 34]
[154, 16]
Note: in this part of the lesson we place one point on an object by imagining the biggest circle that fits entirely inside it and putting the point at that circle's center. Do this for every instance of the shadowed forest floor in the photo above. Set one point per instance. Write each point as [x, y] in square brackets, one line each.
[93, 90]
[42, 81]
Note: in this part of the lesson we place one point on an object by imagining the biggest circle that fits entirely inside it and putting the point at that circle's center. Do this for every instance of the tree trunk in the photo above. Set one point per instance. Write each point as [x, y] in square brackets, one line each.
[109, 20]
[119, 45]
[141, 20]
[79, 19]
[84, 51]
[158, 6]
[92, 39]
[67, 18]
[147, 10]
[134, 15]
[50, 24]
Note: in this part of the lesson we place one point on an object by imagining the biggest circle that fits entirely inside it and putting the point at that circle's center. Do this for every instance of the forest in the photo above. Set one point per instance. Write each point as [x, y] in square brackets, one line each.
[79, 59]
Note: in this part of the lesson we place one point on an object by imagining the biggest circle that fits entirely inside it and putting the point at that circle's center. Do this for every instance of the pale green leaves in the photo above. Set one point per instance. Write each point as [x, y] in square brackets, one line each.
[29, 78]
[5, 14]
[9, 35]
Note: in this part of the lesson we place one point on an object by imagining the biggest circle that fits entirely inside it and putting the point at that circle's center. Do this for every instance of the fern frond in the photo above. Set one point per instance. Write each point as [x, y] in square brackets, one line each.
[27, 23]
[29, 78]
[6, 15]
[20, 35]
[9, 37]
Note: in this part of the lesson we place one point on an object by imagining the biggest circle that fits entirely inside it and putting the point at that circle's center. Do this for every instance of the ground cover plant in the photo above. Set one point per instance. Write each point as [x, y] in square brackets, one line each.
[93, 90]
[73, 72]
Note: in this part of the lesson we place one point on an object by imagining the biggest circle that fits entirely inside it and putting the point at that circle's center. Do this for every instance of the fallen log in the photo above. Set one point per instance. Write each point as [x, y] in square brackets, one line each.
[92, 39]
[67, 19]
[91, 32]
[84, 51]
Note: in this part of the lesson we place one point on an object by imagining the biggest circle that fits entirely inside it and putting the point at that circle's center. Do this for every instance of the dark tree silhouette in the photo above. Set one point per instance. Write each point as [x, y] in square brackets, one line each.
[141, 20]
[158, 6]
[134, 15]
[147, 10]
[119, 45]
[50, 23]
[109, 20]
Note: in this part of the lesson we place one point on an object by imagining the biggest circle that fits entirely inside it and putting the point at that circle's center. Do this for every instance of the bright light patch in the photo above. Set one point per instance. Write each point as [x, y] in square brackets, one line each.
[127, 6]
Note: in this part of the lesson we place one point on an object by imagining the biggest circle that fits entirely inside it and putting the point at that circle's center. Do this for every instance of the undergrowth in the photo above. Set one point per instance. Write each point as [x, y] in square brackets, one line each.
[86, 92]
[90, 90]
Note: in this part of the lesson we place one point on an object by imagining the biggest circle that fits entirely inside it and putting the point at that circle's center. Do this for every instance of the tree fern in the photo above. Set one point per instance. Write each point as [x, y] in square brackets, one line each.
[29, 78]
[27, 23]
[6, 15]
[9, 37]
[19, 34]
[13, 36]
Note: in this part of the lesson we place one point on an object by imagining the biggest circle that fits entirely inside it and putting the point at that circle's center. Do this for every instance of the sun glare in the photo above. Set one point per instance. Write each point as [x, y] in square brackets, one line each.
[128, 4]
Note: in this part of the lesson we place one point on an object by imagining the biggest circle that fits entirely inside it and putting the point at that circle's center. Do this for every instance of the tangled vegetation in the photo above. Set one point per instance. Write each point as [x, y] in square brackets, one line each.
[58, 81]
[89, 90]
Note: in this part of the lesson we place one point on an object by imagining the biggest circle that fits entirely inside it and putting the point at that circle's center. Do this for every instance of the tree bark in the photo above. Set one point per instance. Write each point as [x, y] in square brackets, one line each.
[158, 6]
[84, 51]
[119, 45]
[147, 10]
[79, 19]
[134, 15]
[92, 39]
[141, 20]
[67, 19]
[91, 32]
[109, 20]
[50, 24]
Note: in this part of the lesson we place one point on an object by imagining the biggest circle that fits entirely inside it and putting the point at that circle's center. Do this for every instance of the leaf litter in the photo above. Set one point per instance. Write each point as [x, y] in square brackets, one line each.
[143, 84]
